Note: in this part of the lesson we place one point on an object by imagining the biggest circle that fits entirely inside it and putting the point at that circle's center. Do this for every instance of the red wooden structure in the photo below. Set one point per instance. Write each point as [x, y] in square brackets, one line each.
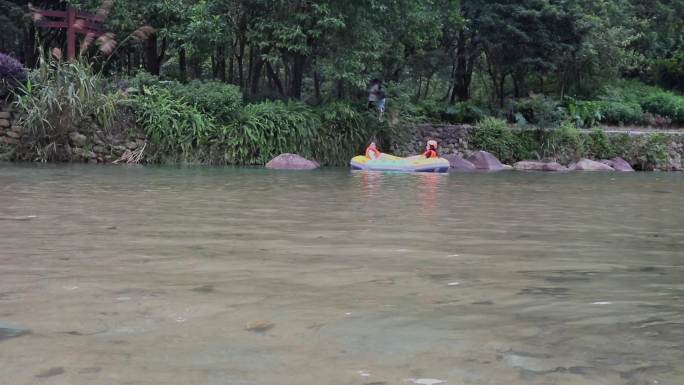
[74, 22]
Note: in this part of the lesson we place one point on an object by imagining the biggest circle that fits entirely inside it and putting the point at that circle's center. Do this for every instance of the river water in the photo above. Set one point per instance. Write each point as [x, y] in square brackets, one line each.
[199, 275]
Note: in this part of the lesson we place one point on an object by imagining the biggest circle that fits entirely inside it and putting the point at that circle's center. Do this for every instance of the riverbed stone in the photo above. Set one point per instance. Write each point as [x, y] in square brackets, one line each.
[78, 139]
[17, 128]
[131, 145]
[291, 162]
[591, 165]
[482, 160]
[98, 148]
[457, 163]
[5, 115]
[5, 123]
[531, 165]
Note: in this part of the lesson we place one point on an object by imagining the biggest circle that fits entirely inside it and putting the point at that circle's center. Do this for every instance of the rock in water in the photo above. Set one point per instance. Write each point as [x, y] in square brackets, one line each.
[291, 162]
[457, 163]
[590, 165]
[620, 164]
[482, 160]
[529, 165]
[8, 331]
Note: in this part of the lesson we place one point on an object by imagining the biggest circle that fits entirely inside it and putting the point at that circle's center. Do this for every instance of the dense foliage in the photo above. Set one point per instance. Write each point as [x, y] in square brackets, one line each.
[12, 74]
[567, 144]
[241, 80]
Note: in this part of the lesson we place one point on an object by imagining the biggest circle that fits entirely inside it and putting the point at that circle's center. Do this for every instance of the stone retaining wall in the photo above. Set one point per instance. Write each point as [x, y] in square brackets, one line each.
[10, 131]
[452, 139]
[456, 139]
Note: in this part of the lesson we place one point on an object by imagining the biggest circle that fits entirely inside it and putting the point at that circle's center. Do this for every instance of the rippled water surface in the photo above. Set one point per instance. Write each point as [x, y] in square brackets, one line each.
[115, 275]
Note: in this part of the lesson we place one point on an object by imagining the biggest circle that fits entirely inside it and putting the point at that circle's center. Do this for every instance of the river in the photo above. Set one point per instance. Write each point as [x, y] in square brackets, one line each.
[212, 275]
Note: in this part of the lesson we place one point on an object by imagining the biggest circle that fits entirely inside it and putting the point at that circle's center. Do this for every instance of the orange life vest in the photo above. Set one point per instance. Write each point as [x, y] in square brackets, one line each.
[431, 153]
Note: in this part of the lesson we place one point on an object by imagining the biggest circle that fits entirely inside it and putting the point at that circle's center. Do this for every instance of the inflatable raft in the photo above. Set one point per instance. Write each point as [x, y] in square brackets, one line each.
[387, 162]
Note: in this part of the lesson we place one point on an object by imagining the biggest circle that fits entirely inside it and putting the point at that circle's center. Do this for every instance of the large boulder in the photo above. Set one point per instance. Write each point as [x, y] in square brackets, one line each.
[530, 165]
[619, 164]
[291, 162]
[590, 165]
[457, 163]
[482, 160]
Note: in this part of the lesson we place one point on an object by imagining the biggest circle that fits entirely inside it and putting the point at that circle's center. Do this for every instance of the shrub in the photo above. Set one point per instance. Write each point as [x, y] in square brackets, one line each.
[220, 100]
[178, 130]
[463, 112]
[666, 104]
[267, 129]
[651, 151]
[494, 135]
[598, 145]
[620, 112]
[564, 144]
[57, 98]
[669, 73]
[584, 113]
[343, 133]
[538, 110]
[12, 74]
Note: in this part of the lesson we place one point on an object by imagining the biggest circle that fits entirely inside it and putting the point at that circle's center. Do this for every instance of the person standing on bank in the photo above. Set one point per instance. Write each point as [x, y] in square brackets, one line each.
[376, 97]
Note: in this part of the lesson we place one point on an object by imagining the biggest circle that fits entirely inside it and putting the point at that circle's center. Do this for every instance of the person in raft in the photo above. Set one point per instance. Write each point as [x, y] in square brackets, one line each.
[431, 149]
[372, 152]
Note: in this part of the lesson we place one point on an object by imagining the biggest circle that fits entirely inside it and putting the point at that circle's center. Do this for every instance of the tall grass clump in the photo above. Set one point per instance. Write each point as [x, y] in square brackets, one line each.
[219, 100]
[178, 130]
[58, 98]
[494, 135]
[267, 129]
[343, 133]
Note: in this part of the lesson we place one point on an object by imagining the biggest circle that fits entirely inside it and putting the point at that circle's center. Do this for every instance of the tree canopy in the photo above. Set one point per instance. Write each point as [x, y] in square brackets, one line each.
[325, 49]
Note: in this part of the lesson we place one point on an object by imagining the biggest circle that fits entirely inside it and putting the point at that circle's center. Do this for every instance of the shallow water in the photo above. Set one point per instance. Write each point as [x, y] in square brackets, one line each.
[117, 275]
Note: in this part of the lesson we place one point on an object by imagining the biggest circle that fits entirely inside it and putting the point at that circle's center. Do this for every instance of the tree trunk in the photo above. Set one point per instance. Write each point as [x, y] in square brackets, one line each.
[501, 90]
[317, 85]
[420, 87]
[275, 78]
[250, 67]
[240, 60]
[129, 62]
[231, 69]
[151, 55]
[30, 54]
[256, 75]
[182, 67]
[427, 87]
[297, 76]
[340, 88]
[220, 64]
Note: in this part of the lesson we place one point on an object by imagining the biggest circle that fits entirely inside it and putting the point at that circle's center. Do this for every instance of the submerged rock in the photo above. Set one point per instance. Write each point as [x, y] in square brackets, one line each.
[291, 162]
[529, 165]
[457, 163]
[482, 160]
[8, 331]
[590, 165]
[259, 326]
